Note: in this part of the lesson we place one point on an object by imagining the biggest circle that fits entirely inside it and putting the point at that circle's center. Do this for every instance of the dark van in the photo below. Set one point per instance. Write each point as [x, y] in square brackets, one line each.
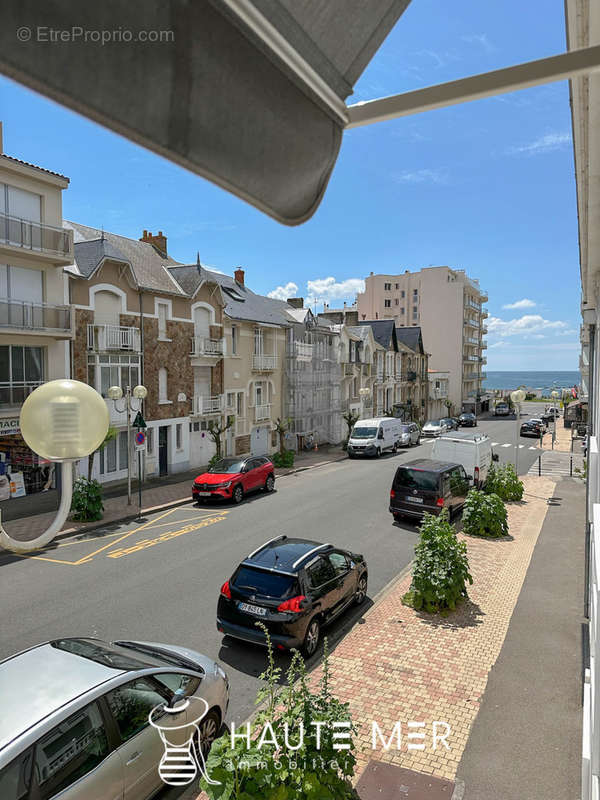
[426, 486]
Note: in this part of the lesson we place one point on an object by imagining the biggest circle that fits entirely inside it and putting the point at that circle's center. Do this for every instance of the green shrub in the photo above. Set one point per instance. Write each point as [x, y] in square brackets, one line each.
[441, 567]
[285, 460]
[504, 481]
[87, 500]
[214, 460]
[269, 773]
[484, 515]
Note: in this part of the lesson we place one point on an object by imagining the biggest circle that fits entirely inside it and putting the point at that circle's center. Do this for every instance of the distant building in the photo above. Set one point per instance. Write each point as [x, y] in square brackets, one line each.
[447, 305]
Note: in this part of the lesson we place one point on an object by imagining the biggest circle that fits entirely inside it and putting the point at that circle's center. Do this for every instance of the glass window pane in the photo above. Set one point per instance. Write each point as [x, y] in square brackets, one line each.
[131, 704]
[149, 440]
[18, 372]
[123, 450]
[16, 777]
[70, 751]
[4, 364]
[104, 380]
[111, 456]
[34, 364]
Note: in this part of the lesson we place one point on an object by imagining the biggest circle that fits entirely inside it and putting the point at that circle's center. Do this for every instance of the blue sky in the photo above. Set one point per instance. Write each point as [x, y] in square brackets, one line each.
[487, 187]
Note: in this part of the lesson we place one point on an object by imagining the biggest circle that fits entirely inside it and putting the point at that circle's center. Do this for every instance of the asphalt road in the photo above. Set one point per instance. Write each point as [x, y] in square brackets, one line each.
[159, 580]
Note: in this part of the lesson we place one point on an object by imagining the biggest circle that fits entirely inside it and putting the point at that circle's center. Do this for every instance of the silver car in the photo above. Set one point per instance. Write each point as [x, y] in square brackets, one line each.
[434, 427]
[411, 434]
[75, 718]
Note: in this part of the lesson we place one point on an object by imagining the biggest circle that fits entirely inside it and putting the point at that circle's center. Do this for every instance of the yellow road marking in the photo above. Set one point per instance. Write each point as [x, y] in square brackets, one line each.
[164, 537]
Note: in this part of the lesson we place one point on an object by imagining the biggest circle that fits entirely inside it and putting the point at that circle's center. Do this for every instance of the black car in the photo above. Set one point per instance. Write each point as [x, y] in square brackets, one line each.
[550, 415]
[427, 486]
[467, 420]
[451, 422]
[531, 428]
[294, 587]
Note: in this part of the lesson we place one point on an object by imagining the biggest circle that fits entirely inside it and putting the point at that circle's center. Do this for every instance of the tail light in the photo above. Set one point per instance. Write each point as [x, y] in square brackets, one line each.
[440, 502]
[476, 475]
[293, 604]
[226, 591]
[392, 494]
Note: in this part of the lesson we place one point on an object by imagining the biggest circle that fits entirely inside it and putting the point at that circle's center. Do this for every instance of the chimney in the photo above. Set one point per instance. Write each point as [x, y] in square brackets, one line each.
[239, 276]
[158, 241]
[297, 302]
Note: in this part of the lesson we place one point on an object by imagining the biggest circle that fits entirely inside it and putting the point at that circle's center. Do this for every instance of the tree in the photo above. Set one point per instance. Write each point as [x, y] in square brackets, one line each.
[282, 426]
[216, 429]
[111, 434]
[350, 418]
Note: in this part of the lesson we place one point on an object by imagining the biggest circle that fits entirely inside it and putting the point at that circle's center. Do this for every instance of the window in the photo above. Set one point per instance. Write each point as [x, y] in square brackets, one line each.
[397, 286]
[163, 311]
[230, 399]
[149, 441]
[320, 572]
[402, 310]
[387, 287]
[415, 309]
[108, 457]
[240, 404]
[71, 750]
[396, 302]
[15, 779]
[123, 451]
[339, 563]
[234, 340]
[387, 303]
[179, 436]
[107, 371]
[402, 293]
[162, 385]
[130, 705]
[175, 682]
[415, 292]
[21, 371]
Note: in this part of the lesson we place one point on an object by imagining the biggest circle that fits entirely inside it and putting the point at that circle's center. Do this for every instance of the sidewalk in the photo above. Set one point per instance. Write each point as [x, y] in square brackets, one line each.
[175, 490]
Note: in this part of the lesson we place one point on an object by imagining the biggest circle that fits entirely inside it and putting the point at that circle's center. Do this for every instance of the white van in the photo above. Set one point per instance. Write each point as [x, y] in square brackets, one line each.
[370, 437]
[472, 450]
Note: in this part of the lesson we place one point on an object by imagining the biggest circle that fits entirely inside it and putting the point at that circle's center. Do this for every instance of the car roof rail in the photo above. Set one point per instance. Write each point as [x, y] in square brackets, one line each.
[310, 552]
[266, 544]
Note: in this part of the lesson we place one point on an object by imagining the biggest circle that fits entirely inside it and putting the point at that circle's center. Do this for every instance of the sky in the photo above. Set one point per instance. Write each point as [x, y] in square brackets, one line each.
[487, 187]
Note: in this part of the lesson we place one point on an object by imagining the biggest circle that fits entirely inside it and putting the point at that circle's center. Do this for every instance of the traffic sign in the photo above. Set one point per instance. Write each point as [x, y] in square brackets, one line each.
[140, 441]
[139, 421]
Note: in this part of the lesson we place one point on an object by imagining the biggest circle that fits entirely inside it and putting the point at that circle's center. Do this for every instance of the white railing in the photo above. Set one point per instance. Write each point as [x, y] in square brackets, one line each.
[208, 405]
[202, 346]
[35, 236]
[113, 337]
[303, 351]
[262, 412]
[264, 363]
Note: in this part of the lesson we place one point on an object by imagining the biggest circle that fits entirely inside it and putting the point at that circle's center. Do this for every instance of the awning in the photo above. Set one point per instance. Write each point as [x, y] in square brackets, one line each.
[247, 93]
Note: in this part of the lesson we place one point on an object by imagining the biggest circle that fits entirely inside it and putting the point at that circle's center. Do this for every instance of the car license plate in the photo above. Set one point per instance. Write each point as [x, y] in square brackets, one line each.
[414, 499]
[252, 609]
[203, 494]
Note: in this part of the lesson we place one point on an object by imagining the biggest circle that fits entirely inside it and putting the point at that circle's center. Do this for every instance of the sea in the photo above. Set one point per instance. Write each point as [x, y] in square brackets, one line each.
[535, 380]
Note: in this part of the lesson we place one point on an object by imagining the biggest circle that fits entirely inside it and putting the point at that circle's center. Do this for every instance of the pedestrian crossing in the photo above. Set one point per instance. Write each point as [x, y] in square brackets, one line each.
[557, 465]
[494, 444]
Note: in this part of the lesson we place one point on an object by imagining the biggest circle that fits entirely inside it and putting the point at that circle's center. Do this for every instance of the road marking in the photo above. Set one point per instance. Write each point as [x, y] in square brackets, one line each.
[165, 537]
[508, 444]
[495, 444]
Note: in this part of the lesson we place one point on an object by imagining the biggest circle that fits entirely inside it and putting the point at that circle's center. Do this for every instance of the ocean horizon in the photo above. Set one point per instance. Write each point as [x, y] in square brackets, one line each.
[542, 379]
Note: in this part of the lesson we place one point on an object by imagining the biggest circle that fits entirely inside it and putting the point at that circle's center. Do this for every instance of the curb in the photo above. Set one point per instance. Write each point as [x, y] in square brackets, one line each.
[311, 466]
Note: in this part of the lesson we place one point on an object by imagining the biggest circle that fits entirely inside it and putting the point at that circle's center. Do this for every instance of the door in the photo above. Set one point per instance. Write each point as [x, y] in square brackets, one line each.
[346, 578]
[202, 388]
[252, 475]
[142, 748]
[324, 591]
[77, 761]
[259, 441]
[163, 450]
[459, 486]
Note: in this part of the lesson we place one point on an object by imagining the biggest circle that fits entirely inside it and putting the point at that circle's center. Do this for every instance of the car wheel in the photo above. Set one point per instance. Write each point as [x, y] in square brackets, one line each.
[238, 494]
[397, 517]
[350, 455]
[395, 448]
[361, 591]
[208, 730]
[378, 453]
[269, 483]
[311, 639]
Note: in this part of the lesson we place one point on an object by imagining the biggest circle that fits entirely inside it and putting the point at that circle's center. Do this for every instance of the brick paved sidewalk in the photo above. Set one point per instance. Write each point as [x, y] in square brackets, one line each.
[154, 497]
[562, 443]
[403, 665]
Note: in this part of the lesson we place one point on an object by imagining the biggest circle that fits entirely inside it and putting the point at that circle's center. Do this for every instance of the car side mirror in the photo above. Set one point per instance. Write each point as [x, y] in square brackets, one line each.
[495, 457]
[244, 468]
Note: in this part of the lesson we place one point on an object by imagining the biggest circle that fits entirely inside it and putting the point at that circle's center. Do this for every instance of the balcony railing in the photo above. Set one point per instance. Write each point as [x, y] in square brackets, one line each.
[208, 404]
[483, 344]
[472, 322]
[471, 340]
[113, 337]
[484, 313]
[35, 316]
[35, 236]
[484, 330]
[262, 412]
[470, 358]
[264, 363]
[303, 351]
[203, 346]
[472, 304]
[14, 394]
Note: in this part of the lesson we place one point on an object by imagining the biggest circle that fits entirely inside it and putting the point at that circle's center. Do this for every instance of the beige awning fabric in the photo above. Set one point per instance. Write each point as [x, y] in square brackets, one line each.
[250, 94]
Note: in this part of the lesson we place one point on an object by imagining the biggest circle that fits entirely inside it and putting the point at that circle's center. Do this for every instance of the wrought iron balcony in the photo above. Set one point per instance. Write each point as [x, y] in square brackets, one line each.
[203, 346]
[103, 337]
[263, 363]
[34, 316]
[35, 236]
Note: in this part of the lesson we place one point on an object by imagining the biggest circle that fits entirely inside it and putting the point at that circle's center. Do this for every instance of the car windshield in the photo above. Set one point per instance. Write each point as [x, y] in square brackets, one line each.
[405, 428]
[434, 422]
[100, 652]
[407, 478]
[266, 584]
[228, 465]
[364, 433]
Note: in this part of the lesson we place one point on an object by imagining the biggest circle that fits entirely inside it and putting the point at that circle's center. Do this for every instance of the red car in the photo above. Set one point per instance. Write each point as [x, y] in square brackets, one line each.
[232, 478]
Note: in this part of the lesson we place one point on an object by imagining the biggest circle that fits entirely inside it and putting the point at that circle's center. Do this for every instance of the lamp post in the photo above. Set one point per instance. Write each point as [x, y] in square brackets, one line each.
[62, 421]
[555, 396]
[517, 397]
[115, 393]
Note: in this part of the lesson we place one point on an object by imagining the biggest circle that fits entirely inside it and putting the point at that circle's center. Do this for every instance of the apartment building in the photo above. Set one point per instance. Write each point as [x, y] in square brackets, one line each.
[415, 385]
[312, 389]
[447, 305]
[35, 319]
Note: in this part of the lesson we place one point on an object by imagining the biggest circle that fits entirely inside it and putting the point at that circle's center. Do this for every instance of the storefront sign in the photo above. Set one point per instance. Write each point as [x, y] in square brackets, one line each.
[9, 426]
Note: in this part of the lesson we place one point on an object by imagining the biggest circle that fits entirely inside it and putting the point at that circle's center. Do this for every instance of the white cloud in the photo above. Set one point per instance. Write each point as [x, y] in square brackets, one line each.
[327, 288]
[421, 176]
[524, 303]
[525, 326]
[501, 343]
[283, 292]
[481, 39]
[545, 144]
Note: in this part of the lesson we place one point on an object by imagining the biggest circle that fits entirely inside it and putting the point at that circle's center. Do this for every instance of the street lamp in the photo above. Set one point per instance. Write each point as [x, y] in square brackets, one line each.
[517, 397]
[555, 395]
[62, 421]
[115, 393]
